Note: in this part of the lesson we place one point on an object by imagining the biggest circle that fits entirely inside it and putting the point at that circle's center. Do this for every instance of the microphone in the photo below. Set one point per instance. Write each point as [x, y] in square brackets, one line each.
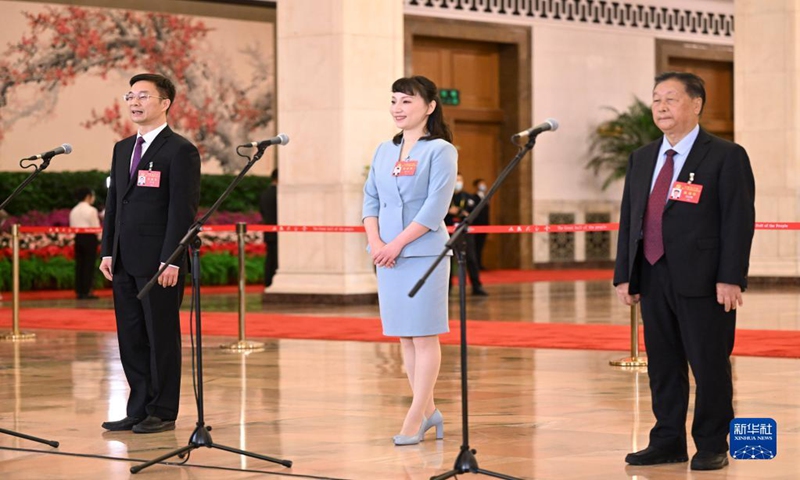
[549, 124]
[281, 139]
[65, 149]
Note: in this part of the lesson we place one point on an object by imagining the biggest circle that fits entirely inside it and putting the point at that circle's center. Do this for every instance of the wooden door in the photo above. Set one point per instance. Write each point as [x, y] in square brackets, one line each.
[474, 69]
[712, 63]
[717, 115]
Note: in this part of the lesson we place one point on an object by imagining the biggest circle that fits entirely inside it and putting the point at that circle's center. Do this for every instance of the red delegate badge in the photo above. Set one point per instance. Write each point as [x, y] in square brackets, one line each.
[405, 169]
[685, 192]
[148, 178]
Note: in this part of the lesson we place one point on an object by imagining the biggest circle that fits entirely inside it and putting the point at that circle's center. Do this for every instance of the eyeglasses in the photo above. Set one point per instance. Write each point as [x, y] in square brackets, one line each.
[141, 96]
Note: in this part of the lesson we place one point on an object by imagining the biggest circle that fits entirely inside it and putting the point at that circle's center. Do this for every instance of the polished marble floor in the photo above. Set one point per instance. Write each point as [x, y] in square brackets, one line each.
[331, 407]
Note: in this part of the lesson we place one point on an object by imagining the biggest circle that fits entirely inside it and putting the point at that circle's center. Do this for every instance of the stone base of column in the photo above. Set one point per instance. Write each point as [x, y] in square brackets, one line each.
[338, 288]
[773, 282]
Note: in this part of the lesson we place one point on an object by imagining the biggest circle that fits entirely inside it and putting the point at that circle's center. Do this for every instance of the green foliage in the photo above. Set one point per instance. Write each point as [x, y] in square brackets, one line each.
[56, 190]
[37, 273]
[223, 269]
[58, 273]
[244, 197]
[5, 275]
[51, 190]
[614, 140]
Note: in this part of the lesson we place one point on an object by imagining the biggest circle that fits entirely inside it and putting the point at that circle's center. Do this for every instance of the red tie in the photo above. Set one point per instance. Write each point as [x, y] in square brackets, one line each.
[653, 237]
[137, 155]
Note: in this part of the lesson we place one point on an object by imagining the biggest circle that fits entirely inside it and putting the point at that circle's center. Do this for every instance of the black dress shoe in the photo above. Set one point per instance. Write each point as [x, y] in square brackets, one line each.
[709, 461]
[655, 456]
[480, 292]
[153, 424]
[126, 423]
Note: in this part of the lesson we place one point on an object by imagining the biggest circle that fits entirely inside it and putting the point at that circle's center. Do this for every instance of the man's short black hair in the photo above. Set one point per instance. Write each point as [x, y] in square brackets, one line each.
[165, 87]
[82, 192]
[694, 85]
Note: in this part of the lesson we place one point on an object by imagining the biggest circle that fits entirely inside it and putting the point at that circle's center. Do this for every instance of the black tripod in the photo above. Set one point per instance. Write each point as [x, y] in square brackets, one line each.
[52, 443]
[201, 436]
[37, 169]
[466, 461]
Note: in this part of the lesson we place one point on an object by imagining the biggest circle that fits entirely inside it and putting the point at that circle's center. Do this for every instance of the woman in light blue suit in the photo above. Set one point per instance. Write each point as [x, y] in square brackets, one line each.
[406, 197]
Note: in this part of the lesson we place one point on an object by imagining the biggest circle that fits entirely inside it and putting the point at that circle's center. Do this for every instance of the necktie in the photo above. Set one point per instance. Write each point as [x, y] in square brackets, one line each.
[137, 155]
[653, 217]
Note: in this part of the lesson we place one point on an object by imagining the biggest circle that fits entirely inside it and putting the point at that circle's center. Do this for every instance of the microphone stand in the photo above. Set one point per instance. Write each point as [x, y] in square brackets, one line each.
[201, 436]
[37, 169]
[466, 461]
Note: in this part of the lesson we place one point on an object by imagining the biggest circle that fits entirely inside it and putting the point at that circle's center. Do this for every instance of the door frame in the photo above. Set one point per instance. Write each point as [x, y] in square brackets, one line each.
[515, 101]
[693, 50]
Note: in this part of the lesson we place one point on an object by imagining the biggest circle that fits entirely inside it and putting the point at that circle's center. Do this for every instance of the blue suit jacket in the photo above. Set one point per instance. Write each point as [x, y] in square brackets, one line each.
[423, 198]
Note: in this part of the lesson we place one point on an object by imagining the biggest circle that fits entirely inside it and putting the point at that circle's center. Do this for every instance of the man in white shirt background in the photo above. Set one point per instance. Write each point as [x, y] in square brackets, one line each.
[85, 215]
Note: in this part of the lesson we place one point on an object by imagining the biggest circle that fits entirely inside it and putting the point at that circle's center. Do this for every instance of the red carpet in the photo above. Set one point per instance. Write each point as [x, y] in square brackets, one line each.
[759, 343]
[106, 292]
[489, 277]
[493, 277]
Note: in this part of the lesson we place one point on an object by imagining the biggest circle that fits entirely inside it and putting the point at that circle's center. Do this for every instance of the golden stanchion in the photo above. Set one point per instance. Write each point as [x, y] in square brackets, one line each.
[242, 345]
[15, 335]
[634, 360]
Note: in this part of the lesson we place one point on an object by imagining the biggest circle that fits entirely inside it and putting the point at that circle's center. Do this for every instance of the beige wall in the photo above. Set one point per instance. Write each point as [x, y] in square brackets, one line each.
[767, 122]
[576, 74]
[337, 61]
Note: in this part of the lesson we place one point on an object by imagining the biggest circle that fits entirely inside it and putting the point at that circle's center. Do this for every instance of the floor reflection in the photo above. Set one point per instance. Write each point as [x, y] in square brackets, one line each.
[332, 407]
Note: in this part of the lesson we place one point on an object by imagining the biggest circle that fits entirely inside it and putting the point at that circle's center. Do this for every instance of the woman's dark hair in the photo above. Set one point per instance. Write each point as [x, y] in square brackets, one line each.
[426, 89]
[694, 85]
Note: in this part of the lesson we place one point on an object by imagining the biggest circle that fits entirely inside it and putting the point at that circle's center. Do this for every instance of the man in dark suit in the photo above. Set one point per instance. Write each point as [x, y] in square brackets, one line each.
[460, 207]
[268, 206]
[481, 220]
[152, 201]
[686, 227]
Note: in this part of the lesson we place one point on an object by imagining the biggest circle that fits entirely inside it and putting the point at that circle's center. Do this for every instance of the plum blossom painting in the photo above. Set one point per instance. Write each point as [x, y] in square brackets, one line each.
[64, 69]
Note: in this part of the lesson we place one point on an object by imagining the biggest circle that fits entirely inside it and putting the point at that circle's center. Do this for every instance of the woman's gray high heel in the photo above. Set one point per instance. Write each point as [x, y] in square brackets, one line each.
[412, 439]
[437, 421]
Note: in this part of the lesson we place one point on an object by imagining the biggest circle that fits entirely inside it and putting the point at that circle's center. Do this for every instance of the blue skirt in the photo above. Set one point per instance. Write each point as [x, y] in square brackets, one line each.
[426, 313]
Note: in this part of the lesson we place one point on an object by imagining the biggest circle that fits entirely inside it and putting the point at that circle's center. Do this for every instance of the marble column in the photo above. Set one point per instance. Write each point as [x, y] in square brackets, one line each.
[767, 124]
[336, 62]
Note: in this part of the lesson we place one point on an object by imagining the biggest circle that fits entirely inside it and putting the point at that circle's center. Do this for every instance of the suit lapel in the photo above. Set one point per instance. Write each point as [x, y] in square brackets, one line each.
[158, 142]
[645, 177]
[123, 172]
[698, 152]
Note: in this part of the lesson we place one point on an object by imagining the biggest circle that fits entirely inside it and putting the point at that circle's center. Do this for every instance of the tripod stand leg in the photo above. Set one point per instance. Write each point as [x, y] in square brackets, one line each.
[466, 461]
[52, 443]
[285, 463]
[494, 474]
[178, 452]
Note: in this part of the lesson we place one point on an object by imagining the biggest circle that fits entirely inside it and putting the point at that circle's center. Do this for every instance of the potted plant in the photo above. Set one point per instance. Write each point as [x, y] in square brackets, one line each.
[614, 140]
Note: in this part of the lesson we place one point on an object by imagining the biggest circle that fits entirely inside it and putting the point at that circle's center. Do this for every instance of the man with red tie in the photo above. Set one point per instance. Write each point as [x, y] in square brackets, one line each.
[686, 227]
[152, 201]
